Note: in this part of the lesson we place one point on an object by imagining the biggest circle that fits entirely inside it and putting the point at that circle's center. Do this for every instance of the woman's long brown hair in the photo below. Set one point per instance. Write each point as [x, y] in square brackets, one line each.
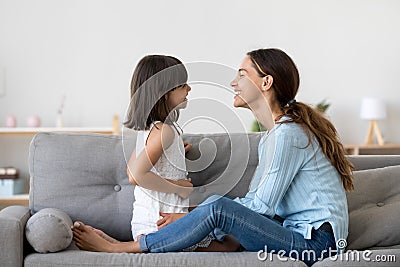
[286, 81]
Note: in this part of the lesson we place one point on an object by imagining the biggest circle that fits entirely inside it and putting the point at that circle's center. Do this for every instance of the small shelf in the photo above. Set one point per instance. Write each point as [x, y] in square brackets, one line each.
[22, 199]
[28, 131]
[34, 130]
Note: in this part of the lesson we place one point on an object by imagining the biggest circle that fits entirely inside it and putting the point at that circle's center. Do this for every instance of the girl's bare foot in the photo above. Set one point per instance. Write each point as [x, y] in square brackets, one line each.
[105, 236]
[86, 238]
[100, 233]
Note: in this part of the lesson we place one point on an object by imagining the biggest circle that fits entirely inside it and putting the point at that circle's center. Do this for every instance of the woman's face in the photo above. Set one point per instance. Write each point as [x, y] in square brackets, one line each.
[247, 84]
[176, 99]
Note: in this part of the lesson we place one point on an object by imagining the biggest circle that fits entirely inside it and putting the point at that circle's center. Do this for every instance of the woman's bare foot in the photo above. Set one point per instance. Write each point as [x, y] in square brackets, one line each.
[86, 238]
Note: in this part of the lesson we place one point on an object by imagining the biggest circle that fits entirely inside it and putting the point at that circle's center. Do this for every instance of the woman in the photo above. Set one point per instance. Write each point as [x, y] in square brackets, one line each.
[302, 177]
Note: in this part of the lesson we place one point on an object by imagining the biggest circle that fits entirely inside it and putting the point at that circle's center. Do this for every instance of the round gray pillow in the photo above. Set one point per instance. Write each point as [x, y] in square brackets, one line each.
[49, 230]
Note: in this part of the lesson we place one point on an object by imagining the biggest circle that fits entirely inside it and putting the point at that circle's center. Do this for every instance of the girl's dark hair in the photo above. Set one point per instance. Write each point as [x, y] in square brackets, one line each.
[286, 82]
[153, 77]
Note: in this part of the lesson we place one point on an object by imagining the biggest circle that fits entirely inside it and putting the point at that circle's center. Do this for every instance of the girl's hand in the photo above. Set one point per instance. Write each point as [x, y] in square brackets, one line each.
[168, 218]
[187, 146]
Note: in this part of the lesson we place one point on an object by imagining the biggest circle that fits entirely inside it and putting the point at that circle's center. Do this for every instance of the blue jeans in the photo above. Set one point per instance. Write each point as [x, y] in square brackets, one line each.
[253, 231]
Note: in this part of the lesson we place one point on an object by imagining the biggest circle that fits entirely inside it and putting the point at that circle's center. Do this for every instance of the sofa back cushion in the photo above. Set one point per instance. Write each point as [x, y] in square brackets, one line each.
[374, 208]
[221, 164]
[366, 162]
[85, 174]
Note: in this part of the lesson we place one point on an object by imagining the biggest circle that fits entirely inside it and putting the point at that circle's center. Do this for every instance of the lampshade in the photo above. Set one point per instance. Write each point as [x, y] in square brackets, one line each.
[372, 109]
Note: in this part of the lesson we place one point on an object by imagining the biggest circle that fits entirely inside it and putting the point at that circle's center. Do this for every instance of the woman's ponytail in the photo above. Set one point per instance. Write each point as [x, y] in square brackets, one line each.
[316, 123]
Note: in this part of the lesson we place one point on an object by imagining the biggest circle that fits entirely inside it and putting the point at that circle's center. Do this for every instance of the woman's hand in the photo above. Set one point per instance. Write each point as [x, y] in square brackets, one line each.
[183, 182]
[187, 146]
[168, 218]
[184, 187]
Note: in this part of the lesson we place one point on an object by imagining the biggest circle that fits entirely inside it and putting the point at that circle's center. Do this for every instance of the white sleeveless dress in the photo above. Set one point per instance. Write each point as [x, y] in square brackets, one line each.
[148, 203]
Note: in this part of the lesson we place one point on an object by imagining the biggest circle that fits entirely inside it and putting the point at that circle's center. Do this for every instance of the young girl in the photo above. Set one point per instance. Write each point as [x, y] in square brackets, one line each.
[157, 166]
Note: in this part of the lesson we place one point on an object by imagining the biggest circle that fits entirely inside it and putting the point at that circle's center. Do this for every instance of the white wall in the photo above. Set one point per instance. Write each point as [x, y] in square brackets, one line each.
[87, 49]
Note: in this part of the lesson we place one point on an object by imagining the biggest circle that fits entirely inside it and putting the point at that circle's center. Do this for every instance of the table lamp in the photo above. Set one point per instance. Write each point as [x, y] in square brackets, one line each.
[373, 109]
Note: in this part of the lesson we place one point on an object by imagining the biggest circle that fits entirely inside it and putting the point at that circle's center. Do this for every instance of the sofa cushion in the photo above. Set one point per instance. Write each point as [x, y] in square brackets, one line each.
[374, 208]
[221, 164]
[49, 230]
[85, 176]
[366, 162]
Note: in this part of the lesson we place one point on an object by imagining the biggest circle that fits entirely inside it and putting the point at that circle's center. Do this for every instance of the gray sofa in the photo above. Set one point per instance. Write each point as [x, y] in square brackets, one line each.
[85, 176]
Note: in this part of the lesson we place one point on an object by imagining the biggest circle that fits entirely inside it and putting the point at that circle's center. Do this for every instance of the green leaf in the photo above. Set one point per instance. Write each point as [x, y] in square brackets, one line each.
[323, 106]
[257, 127]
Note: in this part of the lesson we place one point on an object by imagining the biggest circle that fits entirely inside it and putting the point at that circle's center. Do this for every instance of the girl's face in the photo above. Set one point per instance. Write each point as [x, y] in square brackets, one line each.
[247, 84]
[176, 99]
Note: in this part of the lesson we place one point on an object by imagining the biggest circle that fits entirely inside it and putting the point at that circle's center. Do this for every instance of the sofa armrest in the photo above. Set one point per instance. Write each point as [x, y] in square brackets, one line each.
[12, 230]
